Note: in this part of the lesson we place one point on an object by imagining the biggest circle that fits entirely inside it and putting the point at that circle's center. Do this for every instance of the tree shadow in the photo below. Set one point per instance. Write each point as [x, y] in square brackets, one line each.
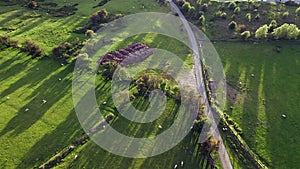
[64, 134]
[36, 109]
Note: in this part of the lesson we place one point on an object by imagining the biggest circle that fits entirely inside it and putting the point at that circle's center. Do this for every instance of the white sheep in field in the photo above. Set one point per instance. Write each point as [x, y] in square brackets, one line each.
[181, 163]
[44, 101]
[175, 166]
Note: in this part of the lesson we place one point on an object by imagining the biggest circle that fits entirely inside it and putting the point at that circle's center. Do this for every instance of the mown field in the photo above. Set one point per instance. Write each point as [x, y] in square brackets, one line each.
[261, 100]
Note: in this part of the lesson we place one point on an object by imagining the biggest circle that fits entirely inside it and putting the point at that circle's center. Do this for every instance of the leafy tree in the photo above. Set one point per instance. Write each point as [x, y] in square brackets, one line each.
[202, 20]
[89, 33]
[249, 17]
[297, 11]
[272, 25]
[33, 49]
[232, 5]
[204, 7]
[285, 14]
[186, 6]
[286, 31]
[232, 25]
[245, 35]
[237, 10]
[257, 17]
[32, 5]
[262, 32]
[6, 42]
[99, 17]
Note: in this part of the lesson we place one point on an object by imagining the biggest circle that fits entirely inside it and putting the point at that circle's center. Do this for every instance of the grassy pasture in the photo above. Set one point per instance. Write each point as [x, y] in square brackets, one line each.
[272, 91]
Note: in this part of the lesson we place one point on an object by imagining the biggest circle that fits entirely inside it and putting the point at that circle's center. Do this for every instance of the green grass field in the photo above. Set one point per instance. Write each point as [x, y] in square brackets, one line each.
[272, 91]
[30, 138]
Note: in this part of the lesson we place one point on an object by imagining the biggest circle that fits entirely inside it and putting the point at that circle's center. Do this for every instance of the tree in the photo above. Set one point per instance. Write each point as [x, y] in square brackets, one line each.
[285, 14]
[232, 5]
[89, 33]
[232, 25]
[32, 5]
[186, 6]
[99, 17]
[262, 32]
[249, 17]
[297, 11]
[293, 31]
[245, 35]
[33, 49]
[272, 25]
[237, 10]
[202, 20]
[286, 31]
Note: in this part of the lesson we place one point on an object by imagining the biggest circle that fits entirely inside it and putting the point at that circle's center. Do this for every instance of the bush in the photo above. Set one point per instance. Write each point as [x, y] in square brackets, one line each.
[262, 32]
[99, 17]
[249, 17]
[61, 49]
[286, 31]
[245, 35]
[220, 14]
[257, 17]
[297, 11]
[232, 5]
[32, 5]
[204, 7]
[90, 33]
[6, 42]
[202, 20]
[186, 6]
[33, 49]
[237, 10]
[272, 25]
[242, 28]
[285, 14]
[232, 25]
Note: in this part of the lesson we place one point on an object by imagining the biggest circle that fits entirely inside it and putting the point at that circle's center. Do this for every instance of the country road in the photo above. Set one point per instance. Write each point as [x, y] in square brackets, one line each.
[223, 155]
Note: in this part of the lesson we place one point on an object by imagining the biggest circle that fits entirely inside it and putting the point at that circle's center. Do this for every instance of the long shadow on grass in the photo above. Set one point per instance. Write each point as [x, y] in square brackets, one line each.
[51, 90]
[16, 14]
[64, 134]
[15, 69]
[283, 93]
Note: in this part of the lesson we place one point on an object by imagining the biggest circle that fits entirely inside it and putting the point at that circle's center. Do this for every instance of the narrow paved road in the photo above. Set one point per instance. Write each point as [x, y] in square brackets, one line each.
[226, 164]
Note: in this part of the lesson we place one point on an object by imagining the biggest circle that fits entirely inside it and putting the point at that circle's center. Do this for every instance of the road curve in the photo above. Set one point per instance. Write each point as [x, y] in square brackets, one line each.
[223, 155]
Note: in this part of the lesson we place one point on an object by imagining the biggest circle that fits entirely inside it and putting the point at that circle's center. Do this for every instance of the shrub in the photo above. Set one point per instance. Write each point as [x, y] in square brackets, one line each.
[204, 7]
[242, 28]
[237, 10]
[33, 49]
[272, 25]
[202, 20]
[220, 14]
[286, 31]
[262, 32]
[257, 17]
[32, 5]
[249, 17]
[186, 6]
[297, 11]
[245, 35]
[99, 17]
[6, 42]
[285, 14]
[90, 33]
[61, 49]
[232, 25]
[232, 5]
